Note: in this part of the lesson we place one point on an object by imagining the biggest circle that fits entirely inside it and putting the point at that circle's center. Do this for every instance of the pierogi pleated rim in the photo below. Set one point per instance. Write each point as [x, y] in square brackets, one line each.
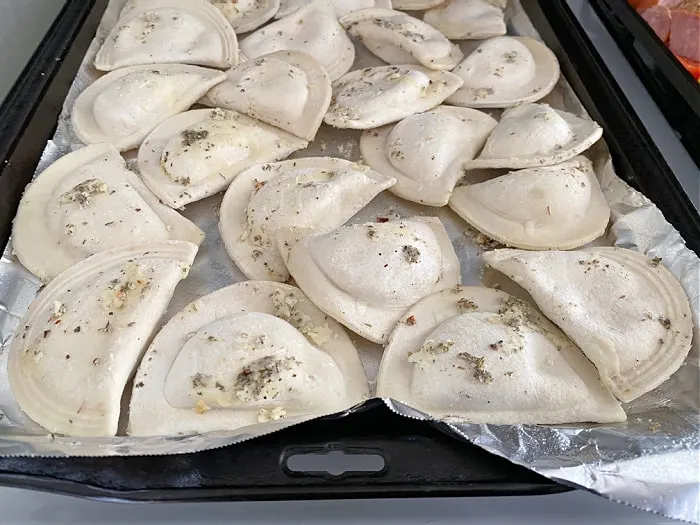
[426, 152]
[366, 275]
[98, 112]
[626, 311]
[320, 193]
[191, 156]
[398, 38]
[312, 29]
[87, 202]
[375, 96]
[505, 71]
[556, 207]
[467, 19]
[80, 340]
[252, 352]
[287, 89]
[478, 355]
[169, 31]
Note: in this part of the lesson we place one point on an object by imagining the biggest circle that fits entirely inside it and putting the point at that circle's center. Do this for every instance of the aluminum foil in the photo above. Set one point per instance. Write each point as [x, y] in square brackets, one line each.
[650, 461]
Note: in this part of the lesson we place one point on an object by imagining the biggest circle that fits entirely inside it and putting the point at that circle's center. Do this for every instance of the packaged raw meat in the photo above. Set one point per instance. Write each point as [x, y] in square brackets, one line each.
[659, 19]
[684, 39]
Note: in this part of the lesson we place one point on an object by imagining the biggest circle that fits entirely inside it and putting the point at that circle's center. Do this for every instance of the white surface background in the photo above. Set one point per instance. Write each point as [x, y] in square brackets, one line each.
[22, 507]
[22, 25]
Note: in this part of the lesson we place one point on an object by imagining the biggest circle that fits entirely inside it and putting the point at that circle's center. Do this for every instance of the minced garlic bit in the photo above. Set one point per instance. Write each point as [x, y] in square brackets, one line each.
[201, 407]
[436, 347]
[81, 193]
[515, 313]
[272, 414]
[119, 290]
[58, 310]
[262, 379]
[428, 351]
[319, 334]
[284, 307]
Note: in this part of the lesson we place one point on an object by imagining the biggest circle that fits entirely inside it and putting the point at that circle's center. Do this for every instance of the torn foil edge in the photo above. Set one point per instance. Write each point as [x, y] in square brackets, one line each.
[628, 463]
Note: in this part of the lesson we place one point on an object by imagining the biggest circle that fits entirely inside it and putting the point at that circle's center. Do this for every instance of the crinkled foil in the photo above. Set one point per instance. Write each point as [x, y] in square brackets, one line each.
[650, 461]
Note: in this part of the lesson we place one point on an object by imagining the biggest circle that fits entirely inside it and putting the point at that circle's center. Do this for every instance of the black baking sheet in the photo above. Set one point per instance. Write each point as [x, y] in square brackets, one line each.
[420, 459]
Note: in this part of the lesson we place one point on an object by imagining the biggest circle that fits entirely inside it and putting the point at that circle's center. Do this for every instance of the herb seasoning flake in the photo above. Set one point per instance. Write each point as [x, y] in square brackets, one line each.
[190, 136]
[411, 254]
[478, 367]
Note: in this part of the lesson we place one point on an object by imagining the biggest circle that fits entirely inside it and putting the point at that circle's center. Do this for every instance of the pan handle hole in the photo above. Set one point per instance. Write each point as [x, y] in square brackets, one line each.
[334, 463]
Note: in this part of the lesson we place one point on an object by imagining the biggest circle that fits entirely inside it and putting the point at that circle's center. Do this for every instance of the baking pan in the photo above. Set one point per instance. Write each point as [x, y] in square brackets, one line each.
[416, 458]
[675, 91]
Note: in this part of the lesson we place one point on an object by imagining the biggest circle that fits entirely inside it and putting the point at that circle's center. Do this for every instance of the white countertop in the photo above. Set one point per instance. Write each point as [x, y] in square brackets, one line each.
[20, 507]
[22, 25]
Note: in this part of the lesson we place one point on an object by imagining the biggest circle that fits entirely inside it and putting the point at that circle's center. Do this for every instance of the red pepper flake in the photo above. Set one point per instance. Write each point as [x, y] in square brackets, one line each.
[411, 320]
[382, 219]
[138, 209]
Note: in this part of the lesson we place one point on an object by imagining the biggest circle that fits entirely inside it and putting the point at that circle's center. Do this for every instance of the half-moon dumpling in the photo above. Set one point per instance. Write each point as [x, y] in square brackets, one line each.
[557, 207]
[375, 96]
[367, 275]
[87, 202]
[343, 7]
[535, 135]
[242, 15]
[467, 19]
[505, 71]
[169, 31]
[340, 7]
[287, 89]
[313, 30]
[82, 337]
[477, 355]
[249, 353]
[320, 193]
[628, 313]
[398, 38]
[247, 15]
[287, 7]
[125, 105]
[198, 153]
[416, 5]
[426, 152]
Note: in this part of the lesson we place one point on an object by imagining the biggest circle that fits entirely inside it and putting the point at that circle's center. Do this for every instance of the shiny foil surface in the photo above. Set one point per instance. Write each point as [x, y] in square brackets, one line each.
[651, 461]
